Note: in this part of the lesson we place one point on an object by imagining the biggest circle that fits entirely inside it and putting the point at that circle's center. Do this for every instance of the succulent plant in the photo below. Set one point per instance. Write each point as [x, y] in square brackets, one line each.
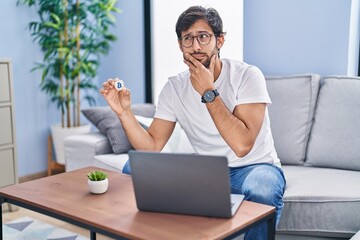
[97, 175]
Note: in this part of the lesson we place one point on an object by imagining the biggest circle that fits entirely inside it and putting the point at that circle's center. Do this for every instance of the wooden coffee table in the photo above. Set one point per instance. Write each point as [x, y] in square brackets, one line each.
[66, 197]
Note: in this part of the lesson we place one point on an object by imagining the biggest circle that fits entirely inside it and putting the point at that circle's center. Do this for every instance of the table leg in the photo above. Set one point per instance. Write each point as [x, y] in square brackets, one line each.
[92, 235]
[1, 219]
[271, 227]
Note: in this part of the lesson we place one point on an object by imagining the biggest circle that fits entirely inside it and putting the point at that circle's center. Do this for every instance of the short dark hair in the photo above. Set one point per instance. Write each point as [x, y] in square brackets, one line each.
[194, 13]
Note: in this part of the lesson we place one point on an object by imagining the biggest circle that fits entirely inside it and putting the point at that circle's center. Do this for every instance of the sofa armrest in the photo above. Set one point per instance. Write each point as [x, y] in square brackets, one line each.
[81, 149]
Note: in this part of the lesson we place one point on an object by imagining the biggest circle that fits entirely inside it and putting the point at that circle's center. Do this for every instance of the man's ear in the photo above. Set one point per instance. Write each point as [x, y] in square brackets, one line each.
[180, 46]
[220, 41]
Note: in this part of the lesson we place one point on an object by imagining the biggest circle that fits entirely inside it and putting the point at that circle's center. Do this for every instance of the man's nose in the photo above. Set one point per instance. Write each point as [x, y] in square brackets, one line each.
[196, 44]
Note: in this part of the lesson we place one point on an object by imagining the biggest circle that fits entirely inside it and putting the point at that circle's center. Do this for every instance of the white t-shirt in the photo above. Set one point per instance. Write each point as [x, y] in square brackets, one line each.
[238, 83]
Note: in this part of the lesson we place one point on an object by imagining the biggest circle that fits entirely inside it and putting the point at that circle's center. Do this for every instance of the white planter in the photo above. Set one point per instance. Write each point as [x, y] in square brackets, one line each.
[98, 187]
[58, 136]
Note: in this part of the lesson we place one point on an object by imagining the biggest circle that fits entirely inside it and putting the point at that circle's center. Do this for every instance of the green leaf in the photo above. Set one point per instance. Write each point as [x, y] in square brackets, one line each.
[111, 17]
[96, 175]
[56, 18]
[51, 25]
[91, 100]
[38, 66]
[110, 37]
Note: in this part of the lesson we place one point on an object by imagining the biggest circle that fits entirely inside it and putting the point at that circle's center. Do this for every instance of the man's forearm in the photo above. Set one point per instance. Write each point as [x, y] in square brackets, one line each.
[232, 129]
[139, 138]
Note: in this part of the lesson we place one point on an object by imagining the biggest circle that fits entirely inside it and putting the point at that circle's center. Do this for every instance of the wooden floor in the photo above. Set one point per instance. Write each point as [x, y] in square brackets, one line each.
[22, 212]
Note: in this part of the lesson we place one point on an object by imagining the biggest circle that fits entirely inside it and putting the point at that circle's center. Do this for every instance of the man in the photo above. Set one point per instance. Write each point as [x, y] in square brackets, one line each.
[222, 106]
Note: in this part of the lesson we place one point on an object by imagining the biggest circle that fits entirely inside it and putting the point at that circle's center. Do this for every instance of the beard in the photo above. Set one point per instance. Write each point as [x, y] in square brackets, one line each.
[206, 61]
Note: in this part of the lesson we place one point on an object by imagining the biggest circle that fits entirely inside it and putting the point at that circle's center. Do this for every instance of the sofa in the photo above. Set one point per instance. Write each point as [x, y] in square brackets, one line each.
[315, 121]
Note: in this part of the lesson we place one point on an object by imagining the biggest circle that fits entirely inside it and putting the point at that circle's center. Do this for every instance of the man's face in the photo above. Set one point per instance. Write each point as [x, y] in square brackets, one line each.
[201, 52]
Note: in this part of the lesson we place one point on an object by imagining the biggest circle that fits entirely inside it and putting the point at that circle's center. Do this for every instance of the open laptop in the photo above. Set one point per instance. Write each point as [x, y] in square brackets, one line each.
[183, 183]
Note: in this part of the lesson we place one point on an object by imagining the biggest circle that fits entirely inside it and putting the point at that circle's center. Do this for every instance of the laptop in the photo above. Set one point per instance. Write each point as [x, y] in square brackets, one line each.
[188, 184]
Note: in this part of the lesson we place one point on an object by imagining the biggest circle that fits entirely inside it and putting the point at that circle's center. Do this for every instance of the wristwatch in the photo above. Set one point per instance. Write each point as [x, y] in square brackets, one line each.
[209, 96]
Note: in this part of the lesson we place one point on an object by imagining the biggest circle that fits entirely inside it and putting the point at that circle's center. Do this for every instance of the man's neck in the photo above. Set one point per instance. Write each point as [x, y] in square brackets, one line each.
[217, 69]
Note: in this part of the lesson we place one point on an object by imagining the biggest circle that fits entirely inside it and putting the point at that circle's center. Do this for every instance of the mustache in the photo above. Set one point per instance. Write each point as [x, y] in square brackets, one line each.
[197, 53]
[192, 54]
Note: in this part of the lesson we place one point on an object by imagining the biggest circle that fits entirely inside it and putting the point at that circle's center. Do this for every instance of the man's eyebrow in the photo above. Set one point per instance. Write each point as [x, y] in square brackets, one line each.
[190, 34]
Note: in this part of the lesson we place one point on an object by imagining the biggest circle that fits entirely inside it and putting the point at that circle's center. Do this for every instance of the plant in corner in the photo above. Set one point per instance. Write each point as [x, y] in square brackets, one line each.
[72, 34]
[97, 181]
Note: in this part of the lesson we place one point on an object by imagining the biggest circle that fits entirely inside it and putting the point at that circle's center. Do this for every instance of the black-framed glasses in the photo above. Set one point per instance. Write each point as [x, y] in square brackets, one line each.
[203, 39]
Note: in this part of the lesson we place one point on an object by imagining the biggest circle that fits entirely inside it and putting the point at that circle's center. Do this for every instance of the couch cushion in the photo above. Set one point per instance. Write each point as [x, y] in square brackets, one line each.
[291, 114]
[320, 202]
[335, 137]
[114, 162]
[178, 141]
[108, 123]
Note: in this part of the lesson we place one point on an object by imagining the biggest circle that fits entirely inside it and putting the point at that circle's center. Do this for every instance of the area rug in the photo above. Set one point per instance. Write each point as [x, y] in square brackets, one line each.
[27, 228]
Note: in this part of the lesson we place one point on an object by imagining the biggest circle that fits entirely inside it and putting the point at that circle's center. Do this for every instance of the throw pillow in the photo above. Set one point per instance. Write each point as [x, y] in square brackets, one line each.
[335, 136]
[108, 124]
[291, 114]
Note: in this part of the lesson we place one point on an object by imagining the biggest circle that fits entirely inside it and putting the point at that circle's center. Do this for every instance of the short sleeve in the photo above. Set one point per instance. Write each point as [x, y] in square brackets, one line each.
[164, 108]
[253, 88]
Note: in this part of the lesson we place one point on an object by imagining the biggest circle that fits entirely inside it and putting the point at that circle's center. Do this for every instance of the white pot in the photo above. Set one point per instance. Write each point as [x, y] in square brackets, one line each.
[58, 136]
[98, 187]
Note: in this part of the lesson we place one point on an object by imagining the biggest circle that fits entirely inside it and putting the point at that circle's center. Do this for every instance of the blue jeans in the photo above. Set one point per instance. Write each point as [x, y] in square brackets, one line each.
[261, 183]
[126, 169]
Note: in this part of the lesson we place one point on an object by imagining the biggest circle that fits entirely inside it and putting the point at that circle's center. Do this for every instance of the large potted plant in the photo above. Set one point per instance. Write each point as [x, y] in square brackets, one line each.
[72, 34]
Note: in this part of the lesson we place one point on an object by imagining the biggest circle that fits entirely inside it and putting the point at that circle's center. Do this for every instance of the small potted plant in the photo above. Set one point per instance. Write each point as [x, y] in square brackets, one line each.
[97, 181]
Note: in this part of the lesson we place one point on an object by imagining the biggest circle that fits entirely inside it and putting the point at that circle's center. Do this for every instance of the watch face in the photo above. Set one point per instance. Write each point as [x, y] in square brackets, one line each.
[209, 96]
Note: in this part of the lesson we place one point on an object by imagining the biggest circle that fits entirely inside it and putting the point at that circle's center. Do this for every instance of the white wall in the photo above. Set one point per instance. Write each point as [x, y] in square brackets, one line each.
[354, 38]
[167, 57]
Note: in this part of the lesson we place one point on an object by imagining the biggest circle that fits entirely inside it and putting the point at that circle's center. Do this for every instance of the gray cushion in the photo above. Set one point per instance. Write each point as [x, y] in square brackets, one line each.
[321, 202]
[335, 137]
[109, 124]
[291, 114]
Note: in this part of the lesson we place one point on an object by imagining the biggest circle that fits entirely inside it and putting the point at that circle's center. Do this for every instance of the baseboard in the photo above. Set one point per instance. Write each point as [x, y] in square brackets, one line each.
[32, 177]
